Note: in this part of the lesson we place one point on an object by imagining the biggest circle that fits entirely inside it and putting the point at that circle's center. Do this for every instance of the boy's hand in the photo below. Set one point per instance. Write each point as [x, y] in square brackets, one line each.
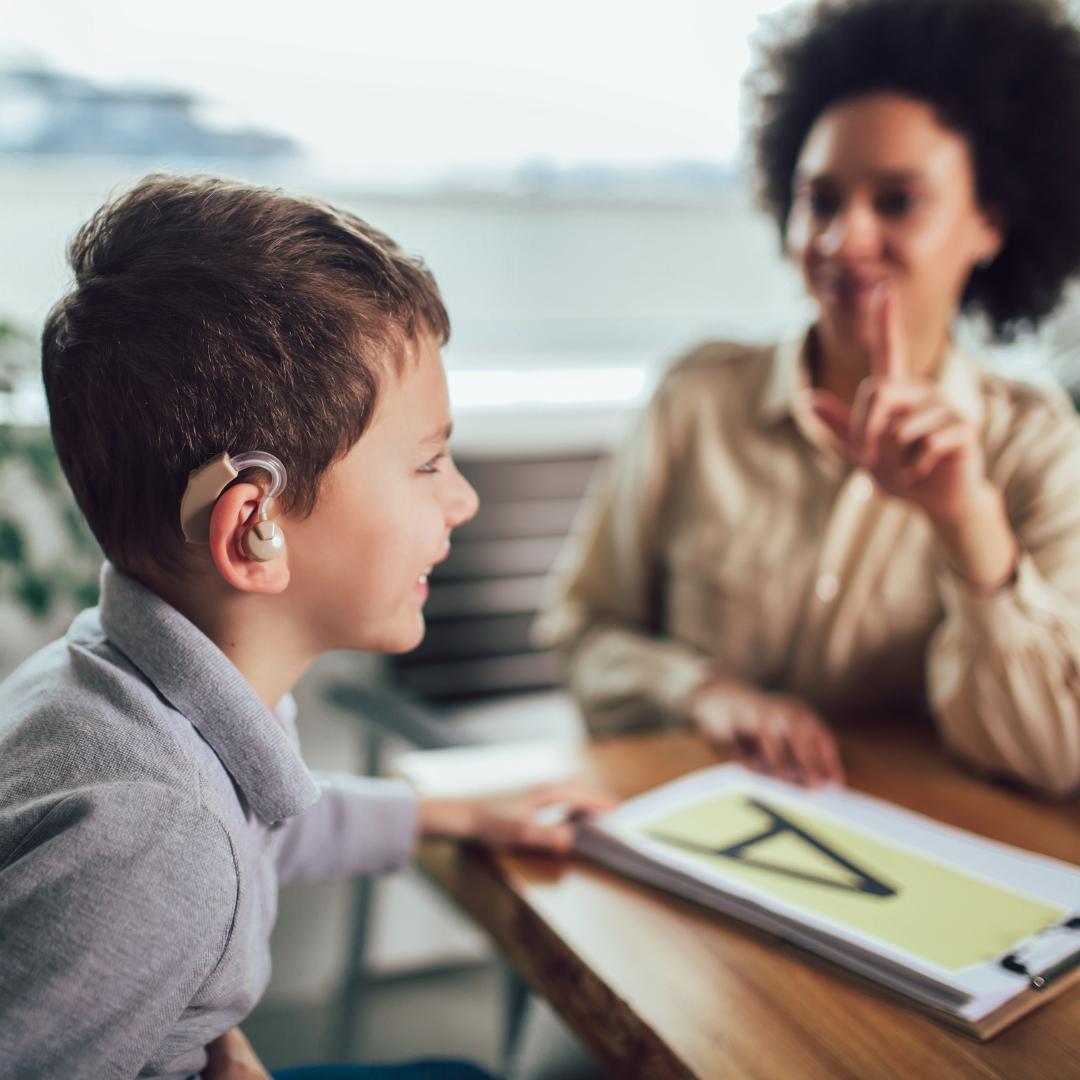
[516, 820]
[231, 1058]
[772, 733]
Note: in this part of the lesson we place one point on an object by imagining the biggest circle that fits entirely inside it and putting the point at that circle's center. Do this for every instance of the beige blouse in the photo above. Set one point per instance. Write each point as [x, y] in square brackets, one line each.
[731, 538]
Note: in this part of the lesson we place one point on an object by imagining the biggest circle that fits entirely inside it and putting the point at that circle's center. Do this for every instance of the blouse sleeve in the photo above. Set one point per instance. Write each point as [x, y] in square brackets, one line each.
[605, 615]
[1004, 667]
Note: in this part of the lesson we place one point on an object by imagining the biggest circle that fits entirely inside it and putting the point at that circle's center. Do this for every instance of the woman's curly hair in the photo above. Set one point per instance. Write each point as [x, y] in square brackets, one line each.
[1004, 74]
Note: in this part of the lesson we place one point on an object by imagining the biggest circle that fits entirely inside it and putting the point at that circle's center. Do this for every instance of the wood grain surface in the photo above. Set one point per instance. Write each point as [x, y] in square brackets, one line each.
[661, 988]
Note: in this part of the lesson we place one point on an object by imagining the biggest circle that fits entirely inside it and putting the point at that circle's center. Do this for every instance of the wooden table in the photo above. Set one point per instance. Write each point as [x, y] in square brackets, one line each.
[660, 988]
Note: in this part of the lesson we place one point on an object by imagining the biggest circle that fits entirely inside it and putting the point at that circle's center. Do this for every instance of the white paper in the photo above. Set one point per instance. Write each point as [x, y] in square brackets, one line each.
[463, 771]
[971, 992]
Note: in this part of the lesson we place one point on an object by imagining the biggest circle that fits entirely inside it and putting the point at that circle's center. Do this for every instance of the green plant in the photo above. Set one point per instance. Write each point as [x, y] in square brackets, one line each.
[47, 552]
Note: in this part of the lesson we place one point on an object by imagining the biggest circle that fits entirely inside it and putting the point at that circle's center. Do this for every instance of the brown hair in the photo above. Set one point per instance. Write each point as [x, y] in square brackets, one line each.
[210, 316]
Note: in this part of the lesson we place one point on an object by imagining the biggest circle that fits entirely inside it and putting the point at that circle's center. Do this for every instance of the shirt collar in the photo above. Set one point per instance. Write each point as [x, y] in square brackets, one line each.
[787, 389]
[200, 681]
[788, 377]
[787, 394]
[960, 385]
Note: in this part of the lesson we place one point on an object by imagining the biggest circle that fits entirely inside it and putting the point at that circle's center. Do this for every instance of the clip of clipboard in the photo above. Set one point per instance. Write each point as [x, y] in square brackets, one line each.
[1040, 960]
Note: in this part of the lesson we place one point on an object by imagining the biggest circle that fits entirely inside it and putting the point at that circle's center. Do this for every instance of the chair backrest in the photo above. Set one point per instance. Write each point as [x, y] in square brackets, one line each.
[485, 596]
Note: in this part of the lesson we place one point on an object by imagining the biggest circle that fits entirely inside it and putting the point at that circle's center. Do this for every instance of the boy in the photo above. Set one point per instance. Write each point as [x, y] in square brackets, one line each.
[151, 791]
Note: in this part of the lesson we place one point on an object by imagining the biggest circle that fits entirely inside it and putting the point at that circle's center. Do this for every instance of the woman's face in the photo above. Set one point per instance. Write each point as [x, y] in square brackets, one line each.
[883, 193]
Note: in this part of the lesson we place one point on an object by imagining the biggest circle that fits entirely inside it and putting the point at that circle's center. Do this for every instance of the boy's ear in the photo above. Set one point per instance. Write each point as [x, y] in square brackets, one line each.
[233, 514]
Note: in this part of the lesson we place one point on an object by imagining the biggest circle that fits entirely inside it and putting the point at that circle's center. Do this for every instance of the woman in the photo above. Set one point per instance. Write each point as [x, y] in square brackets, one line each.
[862, 518]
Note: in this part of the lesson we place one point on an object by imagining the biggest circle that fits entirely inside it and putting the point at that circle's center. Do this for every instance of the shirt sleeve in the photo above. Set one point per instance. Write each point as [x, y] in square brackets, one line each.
[604, 612]
[113, 912]
[1004, 667]
[360, 825]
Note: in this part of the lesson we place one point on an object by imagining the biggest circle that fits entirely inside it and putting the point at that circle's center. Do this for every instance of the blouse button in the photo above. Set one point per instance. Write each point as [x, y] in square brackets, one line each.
[861, 488]
[827, 587]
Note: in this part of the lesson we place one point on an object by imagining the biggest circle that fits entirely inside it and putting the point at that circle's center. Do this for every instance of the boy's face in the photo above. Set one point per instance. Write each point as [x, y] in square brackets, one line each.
[359, 564]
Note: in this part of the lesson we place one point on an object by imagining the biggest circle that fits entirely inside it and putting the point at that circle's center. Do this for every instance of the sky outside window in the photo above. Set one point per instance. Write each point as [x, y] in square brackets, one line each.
[419, 88]
[580, 298]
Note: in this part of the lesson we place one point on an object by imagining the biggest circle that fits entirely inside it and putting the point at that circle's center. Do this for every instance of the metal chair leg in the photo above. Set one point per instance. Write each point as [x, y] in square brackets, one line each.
[351, 994]
[516, 997]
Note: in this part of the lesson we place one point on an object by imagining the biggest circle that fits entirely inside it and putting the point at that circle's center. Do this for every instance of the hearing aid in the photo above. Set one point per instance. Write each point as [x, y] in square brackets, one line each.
[264, 540]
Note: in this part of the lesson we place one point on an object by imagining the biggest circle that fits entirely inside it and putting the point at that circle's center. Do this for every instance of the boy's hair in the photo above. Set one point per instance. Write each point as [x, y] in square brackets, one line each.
[211, 316]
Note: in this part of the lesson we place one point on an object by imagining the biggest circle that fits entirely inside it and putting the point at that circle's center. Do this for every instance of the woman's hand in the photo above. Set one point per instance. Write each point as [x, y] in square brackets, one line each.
[771, 733]
[231, 1058]
[918, 448]
[515, 820]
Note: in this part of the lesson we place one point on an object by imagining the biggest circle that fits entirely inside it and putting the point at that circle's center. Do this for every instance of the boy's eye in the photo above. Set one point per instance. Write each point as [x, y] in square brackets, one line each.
[432, 466]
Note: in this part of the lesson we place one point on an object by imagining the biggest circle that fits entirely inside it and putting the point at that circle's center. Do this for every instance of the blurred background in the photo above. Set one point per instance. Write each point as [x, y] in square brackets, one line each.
[573, 174]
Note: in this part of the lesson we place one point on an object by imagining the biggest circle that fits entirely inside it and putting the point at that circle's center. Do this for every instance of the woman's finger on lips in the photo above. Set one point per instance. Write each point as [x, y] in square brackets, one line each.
[889, 357]
[860, 408]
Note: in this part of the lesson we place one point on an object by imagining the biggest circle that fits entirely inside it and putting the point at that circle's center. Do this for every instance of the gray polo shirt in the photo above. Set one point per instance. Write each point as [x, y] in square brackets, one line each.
[150, 804]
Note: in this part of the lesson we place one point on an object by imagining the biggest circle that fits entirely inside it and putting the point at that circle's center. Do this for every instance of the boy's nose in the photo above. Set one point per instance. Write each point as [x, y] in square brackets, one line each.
[463, 503]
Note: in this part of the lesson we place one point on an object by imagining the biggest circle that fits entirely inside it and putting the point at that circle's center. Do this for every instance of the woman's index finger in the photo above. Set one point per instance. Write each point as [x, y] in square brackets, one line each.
[889, 360]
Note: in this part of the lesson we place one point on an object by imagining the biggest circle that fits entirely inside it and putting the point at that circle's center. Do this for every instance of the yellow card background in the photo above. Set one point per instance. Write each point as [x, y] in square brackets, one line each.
[940, 914]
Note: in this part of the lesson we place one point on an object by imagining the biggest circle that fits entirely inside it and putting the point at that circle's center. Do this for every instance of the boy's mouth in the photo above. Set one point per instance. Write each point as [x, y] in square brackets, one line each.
[421, 585]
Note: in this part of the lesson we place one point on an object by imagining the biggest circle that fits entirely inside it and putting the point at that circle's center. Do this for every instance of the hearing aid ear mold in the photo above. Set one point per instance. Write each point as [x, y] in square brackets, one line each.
[264, 540]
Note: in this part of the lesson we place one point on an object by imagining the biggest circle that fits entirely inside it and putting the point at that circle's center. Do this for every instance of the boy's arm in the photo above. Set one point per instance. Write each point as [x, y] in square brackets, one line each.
[113, 911]
[364, 825]
[361, 825]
